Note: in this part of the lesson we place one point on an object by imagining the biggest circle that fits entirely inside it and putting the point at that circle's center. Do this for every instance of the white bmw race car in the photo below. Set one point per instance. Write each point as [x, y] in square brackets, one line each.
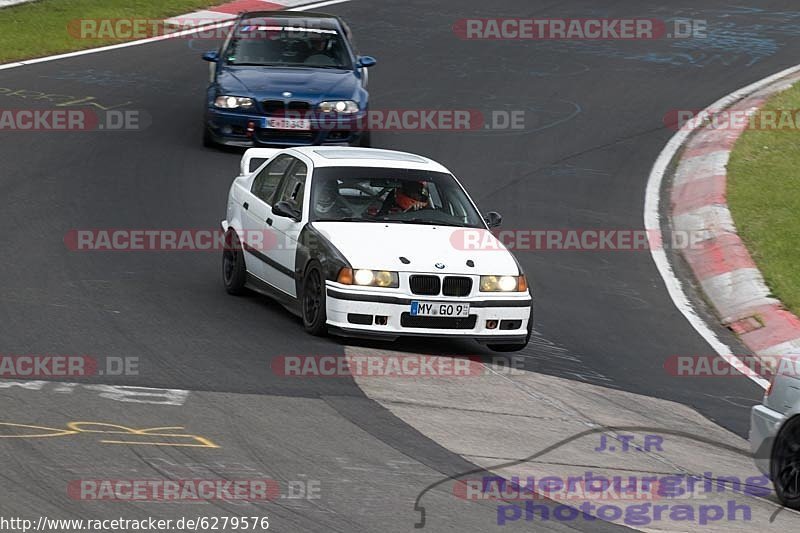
[372, 243]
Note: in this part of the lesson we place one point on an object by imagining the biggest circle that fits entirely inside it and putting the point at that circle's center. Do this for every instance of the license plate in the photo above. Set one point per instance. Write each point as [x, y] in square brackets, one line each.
[439, 309]
[302, 124]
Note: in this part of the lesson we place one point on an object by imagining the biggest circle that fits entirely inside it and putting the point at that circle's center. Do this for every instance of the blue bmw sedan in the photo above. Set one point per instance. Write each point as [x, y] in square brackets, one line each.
[287, 79]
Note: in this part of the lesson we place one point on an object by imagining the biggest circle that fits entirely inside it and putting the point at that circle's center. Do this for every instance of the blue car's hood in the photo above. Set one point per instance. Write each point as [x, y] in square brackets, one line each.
[304, 83]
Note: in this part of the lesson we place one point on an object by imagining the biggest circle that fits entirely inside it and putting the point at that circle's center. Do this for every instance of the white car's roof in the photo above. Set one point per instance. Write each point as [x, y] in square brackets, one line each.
[344, 156]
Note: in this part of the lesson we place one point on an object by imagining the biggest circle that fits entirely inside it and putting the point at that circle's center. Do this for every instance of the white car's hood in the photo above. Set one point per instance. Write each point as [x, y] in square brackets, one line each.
[380, 246]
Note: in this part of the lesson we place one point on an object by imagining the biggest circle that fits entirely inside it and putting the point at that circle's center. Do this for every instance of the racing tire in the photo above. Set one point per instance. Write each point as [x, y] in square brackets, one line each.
[313, 301]
[785, 464]
[234, 272]
[514, 347]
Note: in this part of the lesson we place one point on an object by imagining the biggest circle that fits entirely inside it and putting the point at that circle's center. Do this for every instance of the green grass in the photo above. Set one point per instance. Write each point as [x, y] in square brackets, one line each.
[40, 28]
[764, 197]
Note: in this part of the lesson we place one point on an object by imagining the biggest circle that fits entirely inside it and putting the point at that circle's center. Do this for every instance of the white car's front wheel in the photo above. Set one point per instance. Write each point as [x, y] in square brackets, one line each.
[515, 347]
[314, 312]
[234, 273]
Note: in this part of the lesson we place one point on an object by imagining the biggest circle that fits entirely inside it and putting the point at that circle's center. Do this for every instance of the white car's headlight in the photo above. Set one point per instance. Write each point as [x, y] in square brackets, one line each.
[346, 107]
[369, 278]
[503, 284]
[233, 102]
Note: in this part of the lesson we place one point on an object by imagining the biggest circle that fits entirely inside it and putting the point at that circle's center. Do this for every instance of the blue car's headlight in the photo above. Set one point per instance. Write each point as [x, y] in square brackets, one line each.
[346, 107]
[233, 102]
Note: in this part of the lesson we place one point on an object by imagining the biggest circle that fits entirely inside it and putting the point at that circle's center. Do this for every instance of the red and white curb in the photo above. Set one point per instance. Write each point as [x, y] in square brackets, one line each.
[9, 3]
[721, 263]
[230, 10]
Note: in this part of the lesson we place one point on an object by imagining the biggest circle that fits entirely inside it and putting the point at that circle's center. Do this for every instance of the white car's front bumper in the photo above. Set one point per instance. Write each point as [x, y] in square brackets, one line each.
[764, 426]
[355, 312]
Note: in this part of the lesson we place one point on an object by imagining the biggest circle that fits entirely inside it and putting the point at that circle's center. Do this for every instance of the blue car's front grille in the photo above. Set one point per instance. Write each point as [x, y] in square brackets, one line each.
[299, 106]
[279, 108]
[274, 107]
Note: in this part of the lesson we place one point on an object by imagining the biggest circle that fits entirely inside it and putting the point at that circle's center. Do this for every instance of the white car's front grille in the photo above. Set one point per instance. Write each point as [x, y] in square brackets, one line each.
[456, 286]
[425, 285]
[431, 285]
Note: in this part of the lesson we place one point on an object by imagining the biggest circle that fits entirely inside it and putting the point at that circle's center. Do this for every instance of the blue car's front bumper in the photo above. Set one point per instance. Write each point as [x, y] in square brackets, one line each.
[231, 128]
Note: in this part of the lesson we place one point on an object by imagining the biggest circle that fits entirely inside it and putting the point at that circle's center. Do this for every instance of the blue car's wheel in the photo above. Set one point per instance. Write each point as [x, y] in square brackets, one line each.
[208, 139]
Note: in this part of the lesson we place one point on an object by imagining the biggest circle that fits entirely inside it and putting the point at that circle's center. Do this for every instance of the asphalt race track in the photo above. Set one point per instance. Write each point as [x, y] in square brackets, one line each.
[594, 126]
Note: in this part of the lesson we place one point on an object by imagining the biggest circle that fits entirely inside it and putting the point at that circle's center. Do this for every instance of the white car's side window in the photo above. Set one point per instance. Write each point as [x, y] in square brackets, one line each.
[292, 188]
[267, 181]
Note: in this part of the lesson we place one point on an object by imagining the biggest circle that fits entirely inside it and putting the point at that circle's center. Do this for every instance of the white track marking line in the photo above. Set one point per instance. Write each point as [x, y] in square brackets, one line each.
[320, 4]
[149, 39]
[120, 393]
[652, 223]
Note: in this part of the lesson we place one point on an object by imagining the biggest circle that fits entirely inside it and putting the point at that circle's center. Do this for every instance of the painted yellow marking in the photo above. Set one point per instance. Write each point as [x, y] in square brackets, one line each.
[197, 441]
[164, 434]
[52, 432]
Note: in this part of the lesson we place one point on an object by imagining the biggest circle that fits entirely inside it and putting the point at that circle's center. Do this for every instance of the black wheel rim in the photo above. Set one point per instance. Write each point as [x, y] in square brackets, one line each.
[229, 259]
[312, 297]
[787, 457]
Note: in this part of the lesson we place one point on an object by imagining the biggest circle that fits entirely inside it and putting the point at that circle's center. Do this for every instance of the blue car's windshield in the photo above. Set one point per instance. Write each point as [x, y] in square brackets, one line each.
[286, 43]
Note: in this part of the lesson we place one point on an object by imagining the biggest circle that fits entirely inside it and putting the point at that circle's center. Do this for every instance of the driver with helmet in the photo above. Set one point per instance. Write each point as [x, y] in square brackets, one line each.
[410, 195]
[320, 50]
[328, 202]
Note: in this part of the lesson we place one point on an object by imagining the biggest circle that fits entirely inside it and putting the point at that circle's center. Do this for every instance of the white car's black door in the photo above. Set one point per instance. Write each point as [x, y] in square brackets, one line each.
[258, 237]
[286, 227]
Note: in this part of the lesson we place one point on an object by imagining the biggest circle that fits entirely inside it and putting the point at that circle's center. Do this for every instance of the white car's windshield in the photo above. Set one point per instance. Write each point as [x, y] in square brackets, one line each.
[390, 195]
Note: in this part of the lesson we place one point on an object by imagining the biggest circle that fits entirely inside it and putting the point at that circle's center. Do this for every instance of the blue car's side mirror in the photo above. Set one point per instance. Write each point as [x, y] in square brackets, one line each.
[212, 56]
[366, 61]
